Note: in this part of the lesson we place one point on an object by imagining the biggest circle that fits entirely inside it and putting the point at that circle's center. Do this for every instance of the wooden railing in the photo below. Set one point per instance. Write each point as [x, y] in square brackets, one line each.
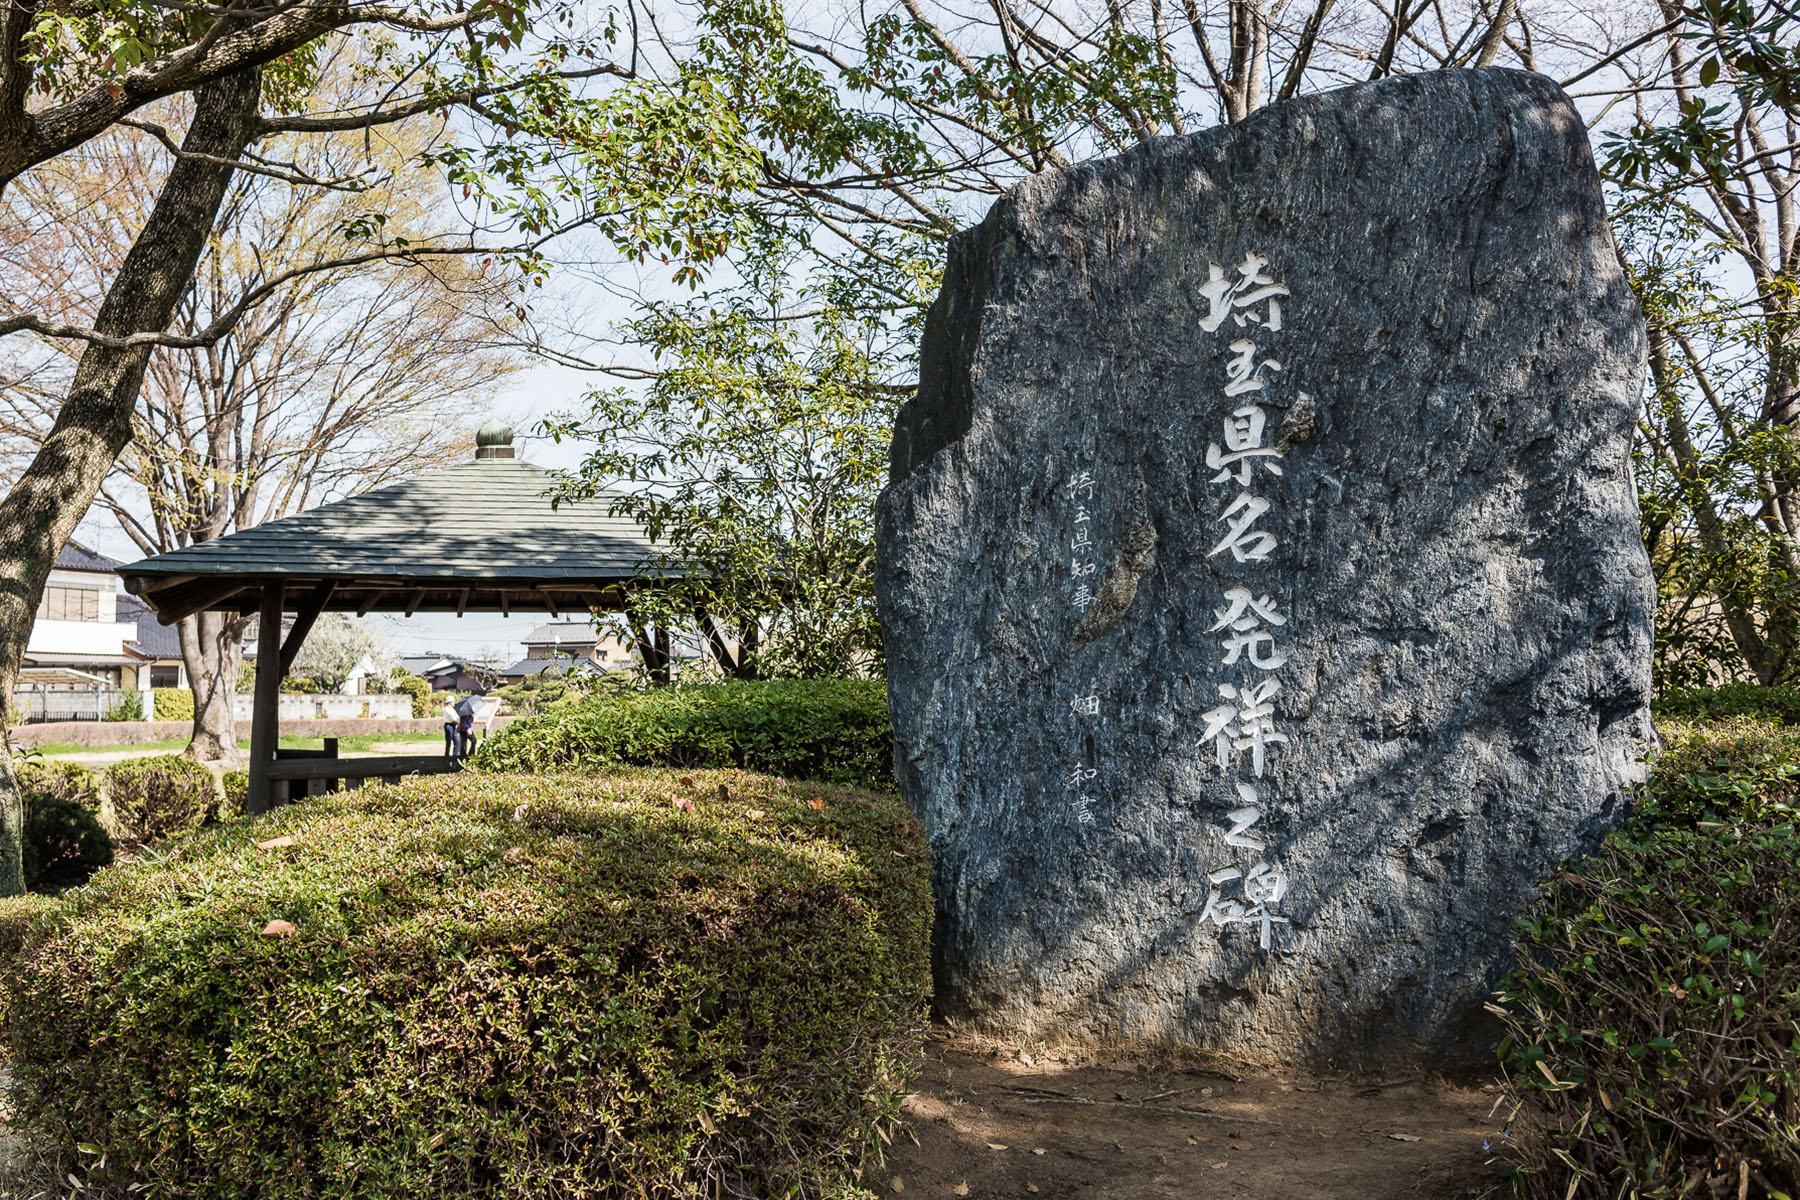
[298, 773]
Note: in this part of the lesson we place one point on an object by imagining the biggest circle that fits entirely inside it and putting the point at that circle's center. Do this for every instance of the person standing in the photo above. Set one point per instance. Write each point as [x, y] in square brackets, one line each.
[452, 735]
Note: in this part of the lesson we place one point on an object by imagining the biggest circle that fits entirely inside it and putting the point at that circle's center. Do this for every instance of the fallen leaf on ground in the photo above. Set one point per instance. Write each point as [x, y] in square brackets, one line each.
[1192, 1142]
[817, 803]
[1404, 1137]
[1243, 1145]
[276, 843]
[277, 928]
[961, 1189]
[1038, 1150]
[899, 1185]
[996, 1146]
[684, 804]
[1220, 1166]
[1031, 1187]
[724, 794]
[755, 814]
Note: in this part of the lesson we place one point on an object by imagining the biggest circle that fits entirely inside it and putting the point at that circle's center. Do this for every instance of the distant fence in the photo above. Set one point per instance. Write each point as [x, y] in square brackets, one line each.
[328, 706]
[37, 704]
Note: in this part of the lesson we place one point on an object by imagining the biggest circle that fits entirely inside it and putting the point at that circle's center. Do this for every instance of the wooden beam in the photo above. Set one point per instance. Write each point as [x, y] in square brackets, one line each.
[265, 705]
[364, 768]
[462, 601]
[309, 611]
[549, 602]
[413, 601]
[186, 599]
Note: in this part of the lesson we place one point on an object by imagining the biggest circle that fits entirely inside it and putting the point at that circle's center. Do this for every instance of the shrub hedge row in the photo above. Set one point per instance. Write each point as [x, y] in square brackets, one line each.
[1781, 704]
[172, 704]
[834, 730]
[647, 985]
[1653, 1025]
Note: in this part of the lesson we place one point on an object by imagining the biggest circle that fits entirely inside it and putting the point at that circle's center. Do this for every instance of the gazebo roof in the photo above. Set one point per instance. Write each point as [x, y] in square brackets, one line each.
[479, 536]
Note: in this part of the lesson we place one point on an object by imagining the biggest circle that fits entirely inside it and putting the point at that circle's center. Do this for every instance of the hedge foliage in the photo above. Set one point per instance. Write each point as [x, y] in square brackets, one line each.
[172, 704]
[646, 985]
[826, 729]
[1780, 704]
[64, 843]
[1653, 1027]
[417, 688]
[152, 798]
[64, 780]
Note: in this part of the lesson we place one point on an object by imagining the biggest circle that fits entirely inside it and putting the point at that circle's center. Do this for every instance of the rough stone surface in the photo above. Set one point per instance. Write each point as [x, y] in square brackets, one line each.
[1464, 655]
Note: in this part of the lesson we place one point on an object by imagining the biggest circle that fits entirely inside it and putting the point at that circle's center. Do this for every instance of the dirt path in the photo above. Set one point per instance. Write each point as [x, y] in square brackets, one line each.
[997, 1123]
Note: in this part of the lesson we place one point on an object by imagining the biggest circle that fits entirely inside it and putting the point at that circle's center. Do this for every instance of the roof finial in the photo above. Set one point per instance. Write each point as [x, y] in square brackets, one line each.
[494, 440]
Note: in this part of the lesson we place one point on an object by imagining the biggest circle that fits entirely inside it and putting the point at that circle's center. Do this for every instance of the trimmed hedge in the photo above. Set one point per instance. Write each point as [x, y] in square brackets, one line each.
[1732, 700]
[1653, 1026]
[17, 914]
[420, 691]
[827, 729]
[64, 843]
[236, 785]
[63, 780]
[152, 798]
[172, 704]
[647, 985]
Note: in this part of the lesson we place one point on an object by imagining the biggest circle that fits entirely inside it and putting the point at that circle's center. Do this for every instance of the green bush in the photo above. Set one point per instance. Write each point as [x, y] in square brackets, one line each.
[1653, 1025]
[645, 985]
[152, 798]
[17, 916]
[236, 787]
[64, 843]
[172, 704]
[1732, 700]
[828, 729]
[131, 708]
[63, 780]
[418, 689]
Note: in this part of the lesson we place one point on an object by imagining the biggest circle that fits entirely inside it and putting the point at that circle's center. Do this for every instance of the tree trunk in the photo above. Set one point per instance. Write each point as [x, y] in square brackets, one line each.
[212, 647]
[94, 424]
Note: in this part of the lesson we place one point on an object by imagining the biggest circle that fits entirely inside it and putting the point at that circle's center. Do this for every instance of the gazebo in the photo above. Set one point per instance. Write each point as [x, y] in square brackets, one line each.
[483, 536]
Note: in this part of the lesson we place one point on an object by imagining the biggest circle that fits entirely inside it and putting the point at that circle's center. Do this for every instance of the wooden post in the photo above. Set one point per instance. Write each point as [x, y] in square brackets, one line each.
[265, 704]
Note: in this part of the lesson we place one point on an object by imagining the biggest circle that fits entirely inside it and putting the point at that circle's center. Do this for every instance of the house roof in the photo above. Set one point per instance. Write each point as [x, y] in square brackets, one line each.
[38, 658]
[562, 631]
[480, 536]
[554, 667]
[154, 639]
[76, 557]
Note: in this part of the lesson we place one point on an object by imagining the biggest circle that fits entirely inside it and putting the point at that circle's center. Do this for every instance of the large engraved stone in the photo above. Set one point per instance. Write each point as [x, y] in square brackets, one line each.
[1266, 613]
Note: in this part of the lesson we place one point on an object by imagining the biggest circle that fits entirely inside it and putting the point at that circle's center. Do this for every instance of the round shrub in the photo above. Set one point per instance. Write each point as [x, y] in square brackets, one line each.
[648, 985]
[63, 780]
[172, 704]
[418, 689]
[154, 797]
[64, 843]
[826, 729]
[1653, 1022]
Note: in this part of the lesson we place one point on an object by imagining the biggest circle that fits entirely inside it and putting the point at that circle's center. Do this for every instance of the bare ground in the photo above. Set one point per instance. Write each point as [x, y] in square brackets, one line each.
[988, 1121]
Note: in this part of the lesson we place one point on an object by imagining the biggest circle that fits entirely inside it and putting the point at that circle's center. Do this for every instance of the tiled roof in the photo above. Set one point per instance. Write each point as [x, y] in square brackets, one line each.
[76, 557]
[153, 640]
[553, 667]
[561, 631]
[481, 535]
[481, 518]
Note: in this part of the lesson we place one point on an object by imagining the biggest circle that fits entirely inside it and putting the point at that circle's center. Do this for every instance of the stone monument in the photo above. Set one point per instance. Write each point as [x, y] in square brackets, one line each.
[1265, 605]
